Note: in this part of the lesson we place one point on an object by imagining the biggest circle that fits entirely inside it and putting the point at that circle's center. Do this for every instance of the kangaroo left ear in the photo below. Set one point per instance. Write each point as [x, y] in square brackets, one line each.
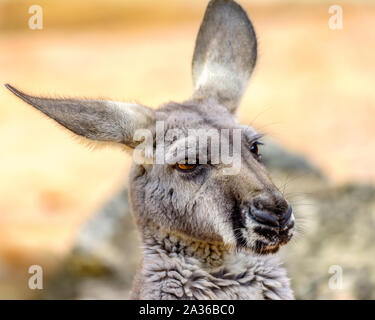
[225, 54]
[94, 119]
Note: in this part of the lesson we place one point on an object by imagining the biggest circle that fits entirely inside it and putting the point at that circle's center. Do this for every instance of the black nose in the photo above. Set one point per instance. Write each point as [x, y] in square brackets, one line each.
[271, 214]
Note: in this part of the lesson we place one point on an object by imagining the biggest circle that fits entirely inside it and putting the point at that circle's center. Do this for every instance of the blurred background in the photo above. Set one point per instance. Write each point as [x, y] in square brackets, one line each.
[312, 93]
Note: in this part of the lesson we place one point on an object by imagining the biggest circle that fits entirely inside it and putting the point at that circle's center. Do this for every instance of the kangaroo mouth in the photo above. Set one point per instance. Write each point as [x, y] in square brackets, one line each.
[269, 239]
[260, 238]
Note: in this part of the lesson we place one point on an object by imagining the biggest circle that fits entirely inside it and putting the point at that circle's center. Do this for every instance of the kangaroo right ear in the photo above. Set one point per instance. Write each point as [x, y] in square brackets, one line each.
[225, 54]
[94, 119]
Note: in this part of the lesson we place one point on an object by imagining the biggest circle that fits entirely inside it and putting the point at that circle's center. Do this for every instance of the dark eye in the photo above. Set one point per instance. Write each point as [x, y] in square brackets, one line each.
[255, 150]
[185, 167]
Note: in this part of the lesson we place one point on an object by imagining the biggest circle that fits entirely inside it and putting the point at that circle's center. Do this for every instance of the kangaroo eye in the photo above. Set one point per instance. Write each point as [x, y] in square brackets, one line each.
[186, 167]
[255, 150]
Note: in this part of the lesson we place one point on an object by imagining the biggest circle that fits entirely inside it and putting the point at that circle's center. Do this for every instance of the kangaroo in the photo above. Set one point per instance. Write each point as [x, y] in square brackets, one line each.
[207, 232]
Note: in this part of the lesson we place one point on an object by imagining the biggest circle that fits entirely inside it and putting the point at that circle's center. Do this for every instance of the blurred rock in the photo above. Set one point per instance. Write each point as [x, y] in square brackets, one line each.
[278, 159]
[335, 230]
[103, 261]
[338, 236]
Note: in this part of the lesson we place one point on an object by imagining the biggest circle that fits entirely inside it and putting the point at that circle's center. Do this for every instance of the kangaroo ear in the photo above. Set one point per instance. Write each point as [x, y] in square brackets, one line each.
[225, 54]
[94, 119]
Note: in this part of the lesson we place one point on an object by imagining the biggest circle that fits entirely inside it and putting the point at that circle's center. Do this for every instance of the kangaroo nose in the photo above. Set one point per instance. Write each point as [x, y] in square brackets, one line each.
[276, 215]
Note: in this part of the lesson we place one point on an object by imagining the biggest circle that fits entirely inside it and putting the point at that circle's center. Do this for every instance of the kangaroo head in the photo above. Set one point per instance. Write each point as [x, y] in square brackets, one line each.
[201, 175]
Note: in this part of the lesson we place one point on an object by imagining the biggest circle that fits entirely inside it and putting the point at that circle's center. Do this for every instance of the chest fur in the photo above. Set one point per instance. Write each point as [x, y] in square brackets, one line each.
[171, 276]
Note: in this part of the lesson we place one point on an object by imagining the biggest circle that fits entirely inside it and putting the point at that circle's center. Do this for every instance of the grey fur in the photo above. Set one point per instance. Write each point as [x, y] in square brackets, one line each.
[94, 119]
[225, 53]
[177, 268]
[199, 241]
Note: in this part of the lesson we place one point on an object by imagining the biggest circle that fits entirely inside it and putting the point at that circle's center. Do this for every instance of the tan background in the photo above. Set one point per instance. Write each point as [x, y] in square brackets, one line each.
[313, 90]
